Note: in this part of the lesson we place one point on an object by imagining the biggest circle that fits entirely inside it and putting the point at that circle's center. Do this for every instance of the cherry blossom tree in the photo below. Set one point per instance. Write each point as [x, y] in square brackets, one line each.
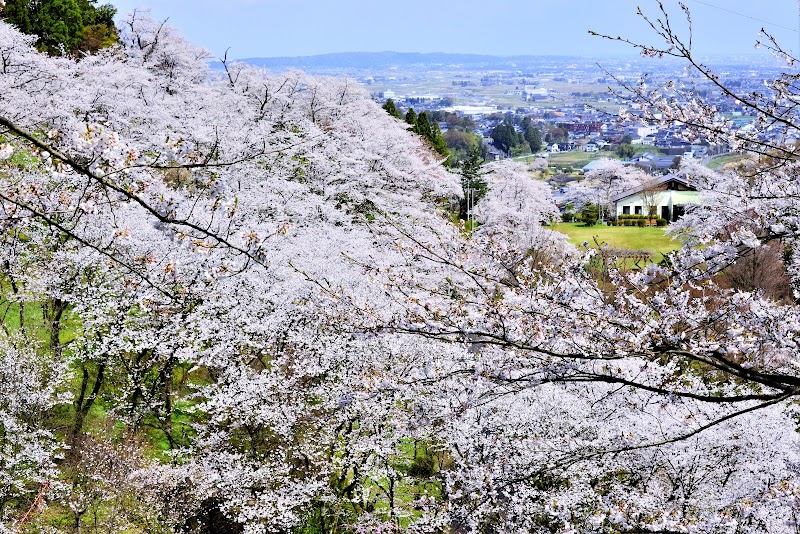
[253, 278]
[192, 226]
[678, 367]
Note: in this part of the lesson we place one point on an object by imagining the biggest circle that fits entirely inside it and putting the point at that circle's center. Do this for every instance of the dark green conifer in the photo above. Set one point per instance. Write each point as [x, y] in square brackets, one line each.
[424, 126]
[391, 109]
[411, 118]
[472, 182]
[438, 142]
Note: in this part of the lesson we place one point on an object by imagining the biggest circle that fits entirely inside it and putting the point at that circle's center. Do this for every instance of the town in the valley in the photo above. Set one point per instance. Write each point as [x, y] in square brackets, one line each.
[575, 105]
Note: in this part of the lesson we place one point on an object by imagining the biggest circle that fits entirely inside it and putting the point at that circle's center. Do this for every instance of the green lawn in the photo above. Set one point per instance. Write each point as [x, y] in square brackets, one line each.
[651, 239]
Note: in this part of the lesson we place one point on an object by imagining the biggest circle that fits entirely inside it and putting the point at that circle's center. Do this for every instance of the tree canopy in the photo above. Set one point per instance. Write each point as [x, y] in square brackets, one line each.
[556, 134]
[533, 136]
[626, 151]
[505, 136]
[63, 26]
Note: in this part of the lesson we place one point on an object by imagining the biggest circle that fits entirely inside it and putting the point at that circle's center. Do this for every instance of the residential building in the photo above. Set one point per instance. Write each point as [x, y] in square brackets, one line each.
[665, 197]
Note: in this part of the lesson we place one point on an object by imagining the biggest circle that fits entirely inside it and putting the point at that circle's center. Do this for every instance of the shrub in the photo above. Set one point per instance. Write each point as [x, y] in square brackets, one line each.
[641, 223]
[661, 222]
[567, 216]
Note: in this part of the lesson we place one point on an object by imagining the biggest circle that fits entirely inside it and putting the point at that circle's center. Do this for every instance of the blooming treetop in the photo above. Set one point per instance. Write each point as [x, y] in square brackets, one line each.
[603, 183]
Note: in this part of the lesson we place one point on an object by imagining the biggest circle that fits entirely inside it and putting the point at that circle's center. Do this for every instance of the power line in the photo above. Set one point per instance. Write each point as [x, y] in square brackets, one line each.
[746, 16]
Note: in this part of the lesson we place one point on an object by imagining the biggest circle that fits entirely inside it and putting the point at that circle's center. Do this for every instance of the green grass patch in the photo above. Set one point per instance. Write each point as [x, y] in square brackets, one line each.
[641, 149]
[577, 158]
[21, 158]
[527, 158]
[650, 238]
[721, 161]
[31, 316]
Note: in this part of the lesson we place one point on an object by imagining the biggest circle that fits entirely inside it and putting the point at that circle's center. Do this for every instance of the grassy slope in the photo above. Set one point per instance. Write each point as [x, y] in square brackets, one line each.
[651, 239]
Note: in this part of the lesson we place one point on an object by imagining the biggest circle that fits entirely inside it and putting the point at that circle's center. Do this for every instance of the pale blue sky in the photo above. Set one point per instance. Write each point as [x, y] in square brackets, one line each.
[265, 28]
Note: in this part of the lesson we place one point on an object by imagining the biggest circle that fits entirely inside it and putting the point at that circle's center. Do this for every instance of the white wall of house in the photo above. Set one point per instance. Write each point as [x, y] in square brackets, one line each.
[636, 204]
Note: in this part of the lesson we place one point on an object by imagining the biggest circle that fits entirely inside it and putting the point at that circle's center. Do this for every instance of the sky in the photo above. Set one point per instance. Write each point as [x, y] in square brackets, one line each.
[271, 28]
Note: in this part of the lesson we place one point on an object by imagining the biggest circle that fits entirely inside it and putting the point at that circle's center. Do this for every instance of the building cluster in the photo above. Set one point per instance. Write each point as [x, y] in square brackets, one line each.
[569, 101]
[572, 94]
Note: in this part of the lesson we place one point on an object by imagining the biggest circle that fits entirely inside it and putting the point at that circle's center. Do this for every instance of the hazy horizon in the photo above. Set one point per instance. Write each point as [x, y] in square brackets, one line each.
[627, 57]
[270, 28]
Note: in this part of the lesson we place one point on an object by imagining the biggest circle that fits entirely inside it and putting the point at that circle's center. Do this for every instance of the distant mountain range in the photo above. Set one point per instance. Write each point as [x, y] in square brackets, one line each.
[372, 60]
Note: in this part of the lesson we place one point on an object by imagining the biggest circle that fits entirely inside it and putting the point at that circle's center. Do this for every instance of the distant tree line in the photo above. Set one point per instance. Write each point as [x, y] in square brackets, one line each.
[63, 26]
[441, 102]
[458, 140]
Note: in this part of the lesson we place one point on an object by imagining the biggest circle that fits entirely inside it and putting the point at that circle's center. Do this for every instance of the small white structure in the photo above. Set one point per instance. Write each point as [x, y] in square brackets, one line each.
[642, 130]
[590, 147]
[665, 197]
[532, 93]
